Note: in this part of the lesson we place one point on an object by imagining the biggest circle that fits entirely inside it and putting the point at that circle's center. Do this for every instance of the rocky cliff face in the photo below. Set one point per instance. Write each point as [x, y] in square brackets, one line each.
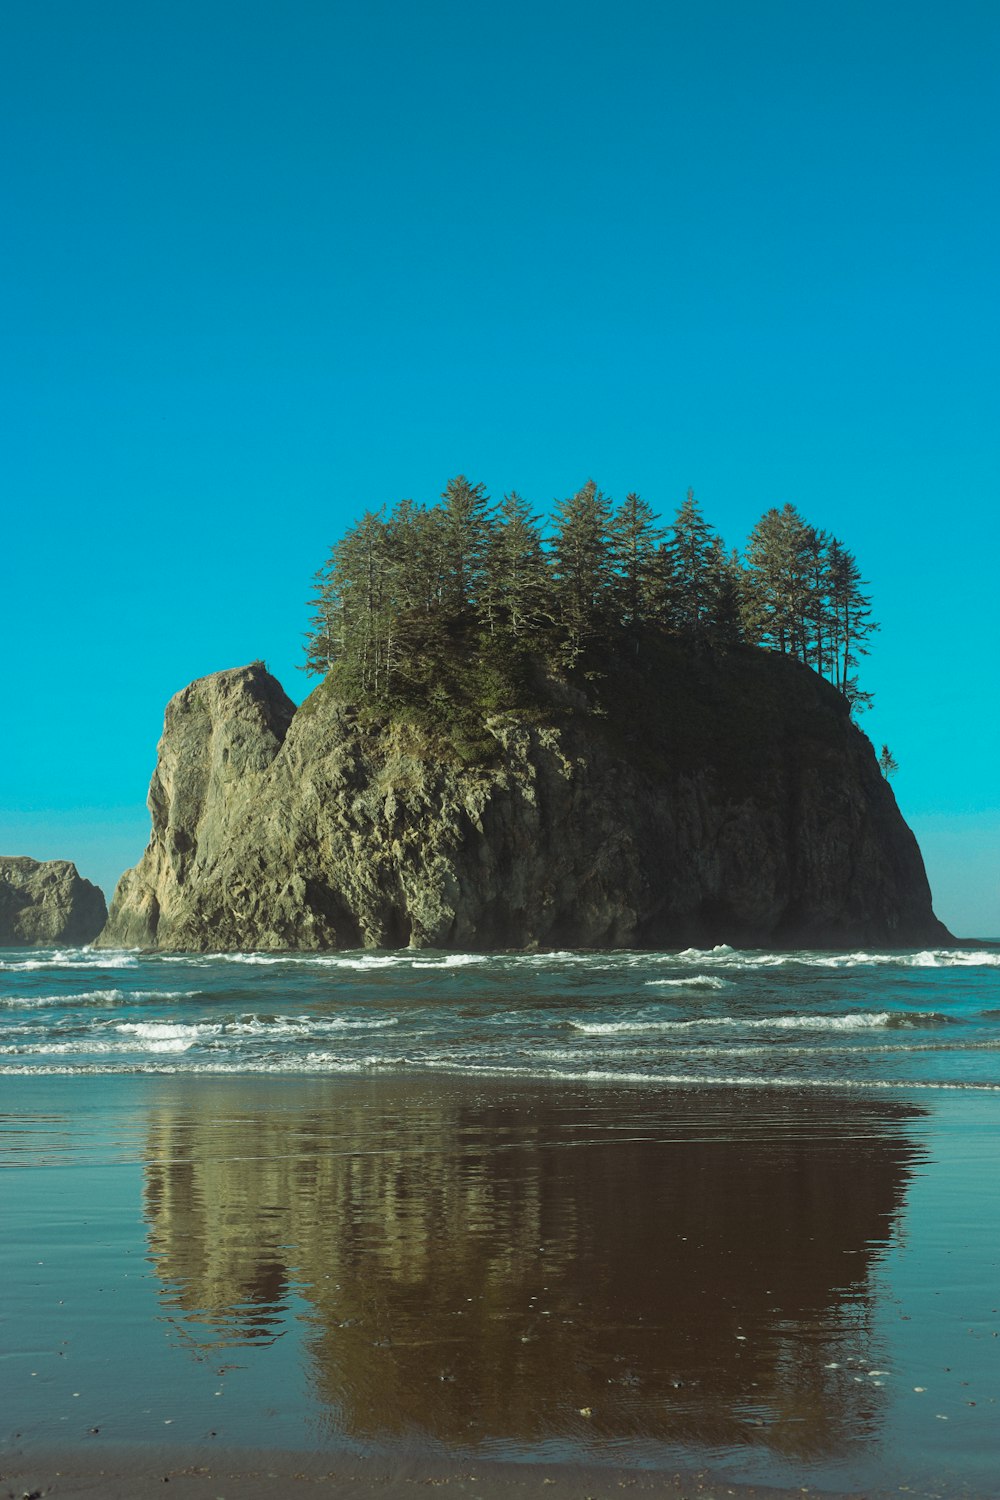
[47, 904]
[743, 806]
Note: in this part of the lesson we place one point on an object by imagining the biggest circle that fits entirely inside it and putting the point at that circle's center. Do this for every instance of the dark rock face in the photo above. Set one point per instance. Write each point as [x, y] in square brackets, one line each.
[747, 808]
[47, 904]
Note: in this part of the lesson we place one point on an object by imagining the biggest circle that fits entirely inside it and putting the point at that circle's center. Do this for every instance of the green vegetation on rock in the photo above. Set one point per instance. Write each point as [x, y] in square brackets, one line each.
[451, 612]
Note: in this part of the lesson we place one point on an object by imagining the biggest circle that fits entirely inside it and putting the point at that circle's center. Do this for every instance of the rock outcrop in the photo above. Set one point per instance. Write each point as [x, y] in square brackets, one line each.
[741, 806]
[47, 904]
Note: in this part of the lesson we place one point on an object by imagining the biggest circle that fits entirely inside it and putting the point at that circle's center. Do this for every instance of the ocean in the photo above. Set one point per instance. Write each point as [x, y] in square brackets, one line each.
[720, 1212]
[920, 1020]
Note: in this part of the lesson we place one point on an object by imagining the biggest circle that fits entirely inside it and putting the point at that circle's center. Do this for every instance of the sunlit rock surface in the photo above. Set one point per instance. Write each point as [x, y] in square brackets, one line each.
[737, 804]
[45, 903]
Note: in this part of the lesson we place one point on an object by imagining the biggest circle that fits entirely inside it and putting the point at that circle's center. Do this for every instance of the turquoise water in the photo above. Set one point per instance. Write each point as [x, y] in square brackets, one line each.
[714, 1210]
[926, 1019]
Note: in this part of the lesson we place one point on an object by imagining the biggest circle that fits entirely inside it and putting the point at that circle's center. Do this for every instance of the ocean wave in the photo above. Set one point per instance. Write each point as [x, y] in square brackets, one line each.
[696, 982]
[368, 963]
[272, 1028]
[320, 1063]
[94, 998]
[351, 960]
[200, 960]
[93, 1047]
[722, 955]
[161, 1034]
[411, 961]
[71, 958]
[932, 958]
[734, 1080]
[651, 1078]
[859, 1021]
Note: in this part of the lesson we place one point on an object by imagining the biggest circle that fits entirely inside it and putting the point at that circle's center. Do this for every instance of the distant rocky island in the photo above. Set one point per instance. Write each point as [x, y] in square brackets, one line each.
[46, 903]
[613, 733]
[739, 805]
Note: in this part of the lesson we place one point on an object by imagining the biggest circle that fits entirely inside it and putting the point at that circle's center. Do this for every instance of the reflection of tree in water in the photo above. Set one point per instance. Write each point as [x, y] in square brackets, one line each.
[487, 1262]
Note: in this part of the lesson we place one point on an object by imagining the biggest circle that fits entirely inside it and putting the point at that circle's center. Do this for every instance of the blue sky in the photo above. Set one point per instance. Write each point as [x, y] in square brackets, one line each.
[266, 266]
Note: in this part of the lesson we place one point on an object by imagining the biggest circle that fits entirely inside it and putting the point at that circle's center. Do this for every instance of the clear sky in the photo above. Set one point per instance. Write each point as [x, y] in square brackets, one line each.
[266, 265]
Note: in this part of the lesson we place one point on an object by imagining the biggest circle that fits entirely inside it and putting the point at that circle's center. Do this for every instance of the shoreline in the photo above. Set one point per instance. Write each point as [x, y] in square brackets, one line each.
[120, 1472]
[366, 1286]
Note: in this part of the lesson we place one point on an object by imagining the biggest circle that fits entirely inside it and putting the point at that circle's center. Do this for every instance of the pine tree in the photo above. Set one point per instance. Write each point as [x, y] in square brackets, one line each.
[422, 621]
[584, 571]
[455, 604]
[323, 639]
[851, 619]
[465, 524]
[515, 596]
[817, 620]
[416, 544]
[353, 619]
[725, 596]
[635, 538]
[888, 764]
[689, 553]
[778, 573]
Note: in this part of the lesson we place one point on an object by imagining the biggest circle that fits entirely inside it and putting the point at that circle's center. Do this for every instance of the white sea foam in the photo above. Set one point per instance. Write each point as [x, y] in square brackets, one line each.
[696, 982]
[163, 1031]
[92, 1047]
[957, 958]
[71, 958]
[359, 962]
[937, 958]
[455, 961]
[276, 1028]
[144, 995]
[563, 956]
[92, 999]
[254, 959]
[349, 1023]
[409, 961]
[714, 1080]
[859, 1021]
[335, 1061]
[367, 963]
[720, 956]
[318, 1063]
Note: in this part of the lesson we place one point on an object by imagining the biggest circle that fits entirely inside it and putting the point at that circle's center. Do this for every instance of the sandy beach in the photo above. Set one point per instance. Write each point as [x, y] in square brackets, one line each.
[121, 1475]
[239, 1287]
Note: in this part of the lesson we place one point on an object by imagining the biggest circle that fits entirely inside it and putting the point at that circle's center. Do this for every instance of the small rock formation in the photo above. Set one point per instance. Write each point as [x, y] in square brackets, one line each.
[744, 806]
[47, 904]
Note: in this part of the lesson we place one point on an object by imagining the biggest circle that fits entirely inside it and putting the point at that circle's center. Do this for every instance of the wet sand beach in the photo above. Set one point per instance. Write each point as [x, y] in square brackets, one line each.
[258, 1476]
[389, 1283]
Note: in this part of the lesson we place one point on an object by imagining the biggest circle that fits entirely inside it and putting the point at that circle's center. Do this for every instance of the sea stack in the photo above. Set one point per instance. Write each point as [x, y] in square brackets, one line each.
[738, 804]
[46, 903]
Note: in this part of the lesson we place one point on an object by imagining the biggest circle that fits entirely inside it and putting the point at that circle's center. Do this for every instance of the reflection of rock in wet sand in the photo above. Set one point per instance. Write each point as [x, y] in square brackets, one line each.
[488, 1261]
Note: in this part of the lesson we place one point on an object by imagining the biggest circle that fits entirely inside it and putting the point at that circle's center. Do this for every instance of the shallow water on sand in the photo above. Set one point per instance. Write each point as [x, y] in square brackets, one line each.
[796, 1286]
[722, 1209]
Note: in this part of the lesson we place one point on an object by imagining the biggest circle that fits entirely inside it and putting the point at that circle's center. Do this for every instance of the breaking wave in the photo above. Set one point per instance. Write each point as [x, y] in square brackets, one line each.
[696, 982]
[322, 1063]
[70, 958]
[861, 1021]
[703, 1016]
[94, 998]
[353, 962]
[936, 958]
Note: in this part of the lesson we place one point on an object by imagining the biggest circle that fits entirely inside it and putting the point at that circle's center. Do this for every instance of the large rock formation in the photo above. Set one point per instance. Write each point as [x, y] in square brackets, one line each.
[738, 803]
[46, 903]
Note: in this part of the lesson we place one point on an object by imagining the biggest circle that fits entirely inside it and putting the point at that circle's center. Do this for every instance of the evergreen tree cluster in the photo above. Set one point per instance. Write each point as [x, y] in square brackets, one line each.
[462, 602]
